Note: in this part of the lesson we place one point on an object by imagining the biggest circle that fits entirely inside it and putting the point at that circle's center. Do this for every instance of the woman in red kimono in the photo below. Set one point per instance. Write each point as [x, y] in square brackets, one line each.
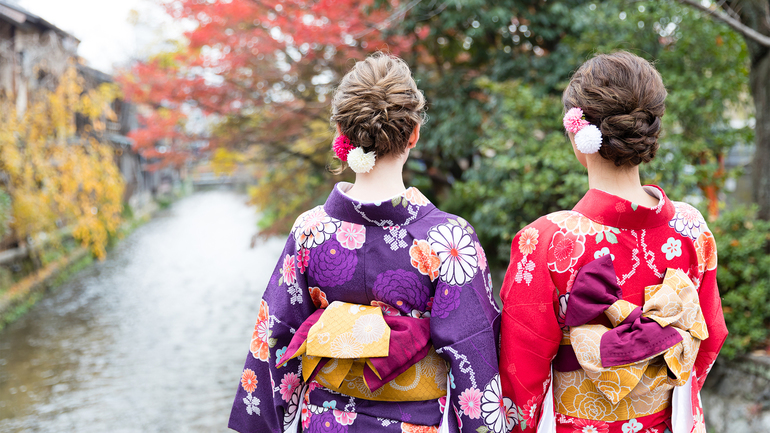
[611, 312]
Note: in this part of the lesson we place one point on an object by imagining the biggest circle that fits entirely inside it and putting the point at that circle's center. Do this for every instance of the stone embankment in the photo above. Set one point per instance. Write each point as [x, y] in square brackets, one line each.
[736, 396]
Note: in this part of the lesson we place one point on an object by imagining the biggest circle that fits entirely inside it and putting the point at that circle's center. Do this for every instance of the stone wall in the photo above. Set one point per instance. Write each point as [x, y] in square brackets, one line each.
[736, 396]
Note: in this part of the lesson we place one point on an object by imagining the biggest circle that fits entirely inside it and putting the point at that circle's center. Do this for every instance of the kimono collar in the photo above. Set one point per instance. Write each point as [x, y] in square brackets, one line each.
[605, 208]
[400, 210]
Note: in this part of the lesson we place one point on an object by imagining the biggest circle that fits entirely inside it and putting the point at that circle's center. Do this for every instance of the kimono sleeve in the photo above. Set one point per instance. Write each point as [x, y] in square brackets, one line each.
[465, 322]
[530, 332]
[268, 397]
[711, 306]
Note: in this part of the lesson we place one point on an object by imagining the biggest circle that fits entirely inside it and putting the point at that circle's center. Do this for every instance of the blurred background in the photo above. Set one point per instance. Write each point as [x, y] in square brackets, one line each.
[154, 153]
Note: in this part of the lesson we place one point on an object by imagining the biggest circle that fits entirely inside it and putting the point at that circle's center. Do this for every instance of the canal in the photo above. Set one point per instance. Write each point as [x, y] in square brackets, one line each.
[153, 339]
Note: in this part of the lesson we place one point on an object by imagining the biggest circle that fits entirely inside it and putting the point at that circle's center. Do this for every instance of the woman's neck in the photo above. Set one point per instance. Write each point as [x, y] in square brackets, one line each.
[384, 181]
[623, 182]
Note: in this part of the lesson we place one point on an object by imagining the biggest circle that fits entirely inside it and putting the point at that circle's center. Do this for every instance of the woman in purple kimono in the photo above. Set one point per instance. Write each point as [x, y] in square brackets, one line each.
[380, 314]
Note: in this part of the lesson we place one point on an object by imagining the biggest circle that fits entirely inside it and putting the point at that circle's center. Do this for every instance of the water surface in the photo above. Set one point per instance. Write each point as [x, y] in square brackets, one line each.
[153, 339]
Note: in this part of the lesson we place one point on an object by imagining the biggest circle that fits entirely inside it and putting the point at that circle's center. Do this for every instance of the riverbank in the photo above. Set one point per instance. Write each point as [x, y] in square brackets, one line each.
[22, 295]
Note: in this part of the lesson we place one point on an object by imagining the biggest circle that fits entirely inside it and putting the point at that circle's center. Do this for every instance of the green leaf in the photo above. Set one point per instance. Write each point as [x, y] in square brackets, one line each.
[404, 201]
[611, 238]
[453, 222]
[482, 429]
[634, 206]
[615, 230]
[599, 237]
[271, 342]
[280, 281]
[396, 201]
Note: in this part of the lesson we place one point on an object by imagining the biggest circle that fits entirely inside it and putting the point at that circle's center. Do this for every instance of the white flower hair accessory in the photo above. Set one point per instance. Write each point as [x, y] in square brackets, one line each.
[360, 161]
[588, 138]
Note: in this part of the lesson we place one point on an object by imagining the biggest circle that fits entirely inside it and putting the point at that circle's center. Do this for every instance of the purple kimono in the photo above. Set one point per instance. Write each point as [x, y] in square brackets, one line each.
[408, 258]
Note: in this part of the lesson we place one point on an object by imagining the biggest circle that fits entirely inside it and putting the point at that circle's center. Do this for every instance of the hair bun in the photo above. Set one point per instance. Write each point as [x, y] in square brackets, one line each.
[631, 138]
[377, 104]
[624, 96]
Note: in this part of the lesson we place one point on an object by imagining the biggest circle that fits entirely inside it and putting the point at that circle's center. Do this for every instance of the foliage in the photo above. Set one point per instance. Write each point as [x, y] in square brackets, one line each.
[56, 178]
[526, 170]
[743, 275]
[705, 67]
[525, 167]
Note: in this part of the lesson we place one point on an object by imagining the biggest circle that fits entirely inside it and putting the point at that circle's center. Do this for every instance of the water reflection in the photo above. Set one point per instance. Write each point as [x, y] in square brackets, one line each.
[151, 340]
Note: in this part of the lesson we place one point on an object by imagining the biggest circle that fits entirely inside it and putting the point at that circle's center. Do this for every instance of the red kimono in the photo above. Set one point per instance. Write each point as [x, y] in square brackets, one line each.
[646, 248]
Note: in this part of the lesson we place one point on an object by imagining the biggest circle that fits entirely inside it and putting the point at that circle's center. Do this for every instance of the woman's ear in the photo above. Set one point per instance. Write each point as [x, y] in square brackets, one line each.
[414, 137]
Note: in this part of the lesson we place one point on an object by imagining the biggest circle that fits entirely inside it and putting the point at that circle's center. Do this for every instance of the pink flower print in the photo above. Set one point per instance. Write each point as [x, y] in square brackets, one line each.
[344, 418]
[303, 258]
[573, 120]
[351, 236]
[524, 270]
[482, 257]
[442, 404]
[470, 403]
[289, 384]
[288, 270]
[306, 414]
[530, 410]
[590, 426]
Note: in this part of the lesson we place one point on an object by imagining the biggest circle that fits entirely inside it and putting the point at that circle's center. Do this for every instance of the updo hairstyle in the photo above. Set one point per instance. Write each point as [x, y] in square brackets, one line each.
[623, 95]
[377, 105]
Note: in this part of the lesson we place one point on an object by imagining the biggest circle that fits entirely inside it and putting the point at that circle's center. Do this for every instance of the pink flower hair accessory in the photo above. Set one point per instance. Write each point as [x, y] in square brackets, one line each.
[588, 138]
[574, 120]
[342, 146]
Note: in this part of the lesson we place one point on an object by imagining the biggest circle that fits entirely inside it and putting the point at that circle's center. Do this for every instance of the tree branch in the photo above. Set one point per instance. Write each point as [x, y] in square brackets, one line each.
[738, 26]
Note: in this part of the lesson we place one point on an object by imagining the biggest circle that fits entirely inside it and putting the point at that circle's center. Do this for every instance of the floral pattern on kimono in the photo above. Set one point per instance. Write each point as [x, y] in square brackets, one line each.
[408, 258]
[545, 258]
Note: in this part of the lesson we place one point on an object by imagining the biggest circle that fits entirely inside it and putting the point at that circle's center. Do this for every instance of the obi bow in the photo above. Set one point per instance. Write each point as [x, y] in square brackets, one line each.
[659, 340]
[357, 340]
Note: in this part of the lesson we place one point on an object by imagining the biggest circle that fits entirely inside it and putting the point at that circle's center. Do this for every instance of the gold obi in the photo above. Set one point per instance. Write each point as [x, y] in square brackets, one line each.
[346, 344]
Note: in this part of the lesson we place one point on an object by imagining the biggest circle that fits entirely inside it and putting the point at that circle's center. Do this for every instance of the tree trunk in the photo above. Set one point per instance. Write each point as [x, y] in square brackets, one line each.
[755, 14]
[760, 172]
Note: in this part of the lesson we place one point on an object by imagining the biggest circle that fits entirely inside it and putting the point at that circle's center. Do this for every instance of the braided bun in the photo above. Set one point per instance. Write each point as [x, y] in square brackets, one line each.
[377, 105]
[623, 95]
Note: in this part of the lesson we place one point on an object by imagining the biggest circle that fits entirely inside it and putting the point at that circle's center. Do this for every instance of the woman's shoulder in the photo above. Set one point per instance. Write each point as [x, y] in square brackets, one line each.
[688, 221]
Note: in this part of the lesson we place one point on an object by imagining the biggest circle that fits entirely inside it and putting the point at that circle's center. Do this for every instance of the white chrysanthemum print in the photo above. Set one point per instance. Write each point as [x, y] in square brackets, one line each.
[687, 221]
[672, 248]
[368, 329]
[314, 227]
[455, 248]
[346, 346]
[498, 412]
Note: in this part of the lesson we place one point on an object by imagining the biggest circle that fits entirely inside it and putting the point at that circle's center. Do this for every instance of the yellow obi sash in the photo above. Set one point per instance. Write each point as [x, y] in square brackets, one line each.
[355, 350]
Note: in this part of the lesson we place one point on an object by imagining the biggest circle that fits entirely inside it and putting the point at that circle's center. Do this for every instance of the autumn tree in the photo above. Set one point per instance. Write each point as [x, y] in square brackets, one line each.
[55, 176]
[265, 71]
